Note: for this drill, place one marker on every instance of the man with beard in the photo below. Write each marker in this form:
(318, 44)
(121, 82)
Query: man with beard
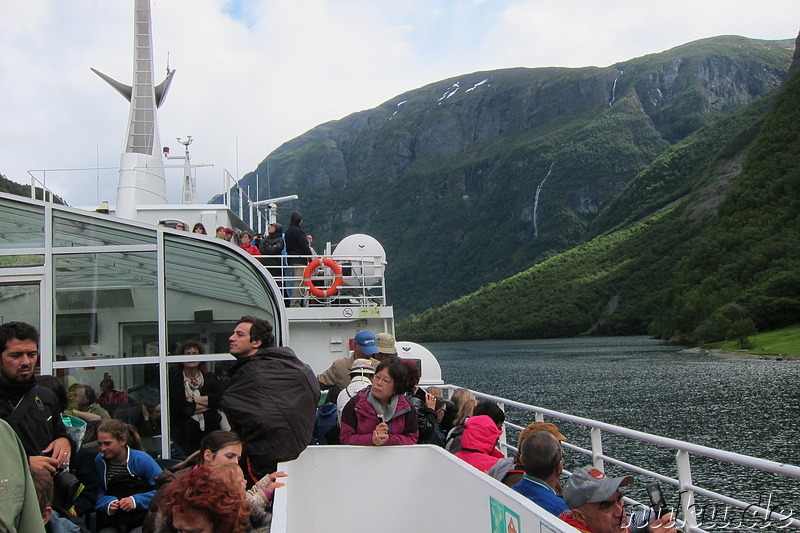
(271, 400)
(33, 411)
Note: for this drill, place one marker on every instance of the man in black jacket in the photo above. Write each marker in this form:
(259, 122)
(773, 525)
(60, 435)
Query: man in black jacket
(297, 244)
(271, 400)
(31, 410)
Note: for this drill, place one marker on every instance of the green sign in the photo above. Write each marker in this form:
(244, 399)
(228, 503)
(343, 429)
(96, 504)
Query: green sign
(504, 520)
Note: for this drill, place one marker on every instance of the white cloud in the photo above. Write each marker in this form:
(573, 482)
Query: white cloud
(259, 72)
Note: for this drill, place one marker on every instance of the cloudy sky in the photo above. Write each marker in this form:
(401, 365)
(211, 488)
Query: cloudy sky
(252, 74)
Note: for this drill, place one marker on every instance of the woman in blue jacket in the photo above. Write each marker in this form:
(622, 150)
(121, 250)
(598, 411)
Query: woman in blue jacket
(126, 479)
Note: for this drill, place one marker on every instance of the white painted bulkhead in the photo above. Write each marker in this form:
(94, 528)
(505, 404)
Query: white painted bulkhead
(396, 489)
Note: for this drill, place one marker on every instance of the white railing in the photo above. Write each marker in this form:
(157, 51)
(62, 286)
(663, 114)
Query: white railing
(683, 450)
(363, 282)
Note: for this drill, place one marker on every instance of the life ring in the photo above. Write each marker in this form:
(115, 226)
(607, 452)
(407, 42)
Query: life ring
(337, 280)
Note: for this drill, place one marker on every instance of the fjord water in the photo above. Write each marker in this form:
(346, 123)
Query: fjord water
(747, 406)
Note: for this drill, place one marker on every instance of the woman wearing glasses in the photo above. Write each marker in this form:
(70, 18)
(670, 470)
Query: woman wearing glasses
(380, 415)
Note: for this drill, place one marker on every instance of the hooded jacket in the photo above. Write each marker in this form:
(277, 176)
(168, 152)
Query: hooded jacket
(271, 403)
(273, 242)
(296, 241)
(477, 444)
(359, 420)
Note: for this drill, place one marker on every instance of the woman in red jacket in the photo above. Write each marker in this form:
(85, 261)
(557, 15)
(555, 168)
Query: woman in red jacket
(380, 415)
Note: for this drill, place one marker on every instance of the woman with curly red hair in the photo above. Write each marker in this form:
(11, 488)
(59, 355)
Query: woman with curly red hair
(208, 499)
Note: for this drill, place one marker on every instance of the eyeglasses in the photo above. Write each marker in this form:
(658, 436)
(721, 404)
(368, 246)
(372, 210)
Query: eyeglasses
(388, 381)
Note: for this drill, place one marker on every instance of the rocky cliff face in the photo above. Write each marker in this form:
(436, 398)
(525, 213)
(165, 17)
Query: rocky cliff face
(518, 161)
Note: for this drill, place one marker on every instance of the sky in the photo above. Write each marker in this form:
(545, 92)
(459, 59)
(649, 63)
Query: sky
(253, 74)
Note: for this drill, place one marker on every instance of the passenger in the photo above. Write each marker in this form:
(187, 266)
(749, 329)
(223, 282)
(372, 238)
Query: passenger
(19, 510)
(246, 244)
(380, 414)
(229, 235)
(207, 500)
(491, 409)
(425, 405)
(194, 396)
(297, 245)
(183, 226)
(510, 470)
(272, 246)
(110, 398)
(30, 409)
(257, 240)
(221, 233)
(199, 228)
(217, 448)
(55, 519)
(127, 479)
(82, 496)
(542, 455)
(449, 411)
(386, 346)
(271, 400)
(338, 374)
(478, 444)
(459, 397)
(310, 240)
(596, 506)
(83, 404)
(361, 374)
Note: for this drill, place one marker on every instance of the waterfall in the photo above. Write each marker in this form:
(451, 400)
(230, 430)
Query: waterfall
(536, 202)
(614, 89)
(613, 93)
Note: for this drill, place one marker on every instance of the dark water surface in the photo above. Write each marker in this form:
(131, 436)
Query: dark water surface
(741, 405)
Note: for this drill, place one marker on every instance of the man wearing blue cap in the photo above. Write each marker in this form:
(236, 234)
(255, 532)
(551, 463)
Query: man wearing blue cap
(338, 374)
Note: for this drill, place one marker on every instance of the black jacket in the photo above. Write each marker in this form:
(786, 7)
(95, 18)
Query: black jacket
(271, 403)
(186, 430)
(272, 245)
(38, 422)
(296, 242)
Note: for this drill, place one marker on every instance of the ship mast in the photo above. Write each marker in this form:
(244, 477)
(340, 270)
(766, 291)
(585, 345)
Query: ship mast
(141, 176)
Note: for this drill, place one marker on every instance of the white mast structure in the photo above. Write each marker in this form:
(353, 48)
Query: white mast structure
(141, 175)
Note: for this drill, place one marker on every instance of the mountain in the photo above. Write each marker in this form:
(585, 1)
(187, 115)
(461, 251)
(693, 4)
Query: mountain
(473, 179)
(718, 261)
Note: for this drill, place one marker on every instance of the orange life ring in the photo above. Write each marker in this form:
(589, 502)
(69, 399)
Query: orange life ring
(337, 280)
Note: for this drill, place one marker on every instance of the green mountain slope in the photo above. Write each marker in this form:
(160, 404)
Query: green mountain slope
(473, 179)
(703, 247)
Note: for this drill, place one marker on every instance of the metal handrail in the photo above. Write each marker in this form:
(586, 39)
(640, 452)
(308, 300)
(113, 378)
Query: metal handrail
(356, 290)
(686, 487)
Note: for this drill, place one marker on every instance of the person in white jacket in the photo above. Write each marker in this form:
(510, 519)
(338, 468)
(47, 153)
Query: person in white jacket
(361, 373)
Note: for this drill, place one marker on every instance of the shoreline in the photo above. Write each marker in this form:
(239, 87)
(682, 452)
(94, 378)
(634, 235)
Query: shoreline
(740, 354)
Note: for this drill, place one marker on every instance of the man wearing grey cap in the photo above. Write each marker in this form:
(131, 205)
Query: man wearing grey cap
(596, 506)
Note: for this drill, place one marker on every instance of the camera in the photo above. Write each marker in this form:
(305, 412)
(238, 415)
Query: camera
(66, 486)
(657, 501)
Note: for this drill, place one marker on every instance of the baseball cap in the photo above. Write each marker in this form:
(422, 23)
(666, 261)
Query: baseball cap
(536, 427)
(590, 485)
(362, 366)
(366, 340)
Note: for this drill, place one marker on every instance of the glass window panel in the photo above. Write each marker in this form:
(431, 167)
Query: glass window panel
(137, 400)
(95, 294)
(21, 260)
(73, 229)
(209, 289)
(19, 302)
(21, 224)
(185, 430)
